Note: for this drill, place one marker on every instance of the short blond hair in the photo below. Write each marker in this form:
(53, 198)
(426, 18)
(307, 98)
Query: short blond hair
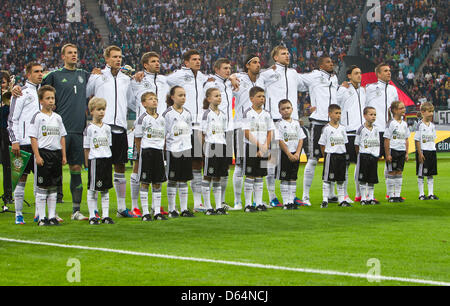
(426, 106)
(277, 50)
(147, 94)
(63, 49)
(107, 52)
(96, 103)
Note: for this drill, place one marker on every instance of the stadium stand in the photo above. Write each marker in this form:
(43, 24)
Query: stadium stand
(216, 28)
(36, 31)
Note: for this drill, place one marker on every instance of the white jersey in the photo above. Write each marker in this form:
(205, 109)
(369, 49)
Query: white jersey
(368, 141)
(322, 88)
(259, 124)
(48, 130)
(281, 83)
(290, 133)
(398, 133)
(152, 82)
(98, 140)
(151, 130)
(226, 91)
(380, 95)
(21, 111)
(334, 139)
(178, 130)
(352, 101)
(117, 92)
(193, 85)
(242, 97)
(214, 126)
(426, 135)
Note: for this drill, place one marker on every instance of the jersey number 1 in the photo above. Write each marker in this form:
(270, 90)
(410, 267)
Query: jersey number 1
(75, 88)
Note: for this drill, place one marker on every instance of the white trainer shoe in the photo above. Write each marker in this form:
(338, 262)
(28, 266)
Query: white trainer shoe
(78, 216)
(306, 201)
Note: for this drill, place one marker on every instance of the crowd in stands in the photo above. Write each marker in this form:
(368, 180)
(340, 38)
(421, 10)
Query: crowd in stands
(221, 28)
(403, 38)
(36, 31)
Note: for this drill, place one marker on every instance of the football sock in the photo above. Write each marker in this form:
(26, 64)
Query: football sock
(420, 183)
(285, 192)
(105, 204)
(51, 203)
(92, 202)
(248, 191)
(134, 190)
(223, 185)
(292, 191)
(156, 199)
(371, 188)
(171, 195)
(19, 194)
(196, 186)
(430, 182)
(183, 188)
(206, 192)
(270, 180)
(217, 191)
(258, 188)
(143, 192)
(237, 183)
(325, 191)
(341, 192)
(41, 198)
(308, 176)
(120, 185)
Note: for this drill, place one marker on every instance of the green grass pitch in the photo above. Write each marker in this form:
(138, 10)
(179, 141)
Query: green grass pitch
(410, 240)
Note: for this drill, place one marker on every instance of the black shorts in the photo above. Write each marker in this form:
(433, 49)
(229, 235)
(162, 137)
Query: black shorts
(334, 167)
(286, 170)
(100, 174)
(351, 151)
(238, 146)
(197, 148)
(429, 166)
(254, 166)
(179, 166)
(398, 161)
(119, 148)
(216, 160)
(151, 166)
(50, 174)
(367, 168)
(74, 149)
(30, 165)
(315, 131)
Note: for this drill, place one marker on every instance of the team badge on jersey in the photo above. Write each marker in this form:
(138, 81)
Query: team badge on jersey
(80, 79)
(146, 84)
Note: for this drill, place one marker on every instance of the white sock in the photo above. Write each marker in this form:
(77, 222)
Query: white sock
(156, 200)
(196, 186)
(325, 191)
(92, 197)
(420, 183)
(270, 180)
(332, 193)
(19, 194)
(430, 181)
(41, 198)
(144, 200)
(223, 185)
(183, 189)
(237, 183)
(371, 191)
(390, 186)
(206, 192)
(341, 192)
(398, 186)
(292, 191)
(248, 191)
(357, 185)
(308, 176)
(217, 191)
(258, 189)
(105, 204)
(120, 185)
(171, 195)
(285, 192)
(364, 192)
(134, 190)
(51, 203)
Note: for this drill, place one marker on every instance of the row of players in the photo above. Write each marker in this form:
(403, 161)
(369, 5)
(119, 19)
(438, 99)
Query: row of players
(120, 91)
(171, 133)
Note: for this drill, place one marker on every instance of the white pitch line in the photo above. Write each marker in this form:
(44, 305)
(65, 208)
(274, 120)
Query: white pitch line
(235, 263)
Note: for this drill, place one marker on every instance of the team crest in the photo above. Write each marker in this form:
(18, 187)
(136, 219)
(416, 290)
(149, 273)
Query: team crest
(18, 163)
(40, 179)
(99, 184)
(210, 170)
(80, 79)
(331, 175)
(146, 84)
(188, 78)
